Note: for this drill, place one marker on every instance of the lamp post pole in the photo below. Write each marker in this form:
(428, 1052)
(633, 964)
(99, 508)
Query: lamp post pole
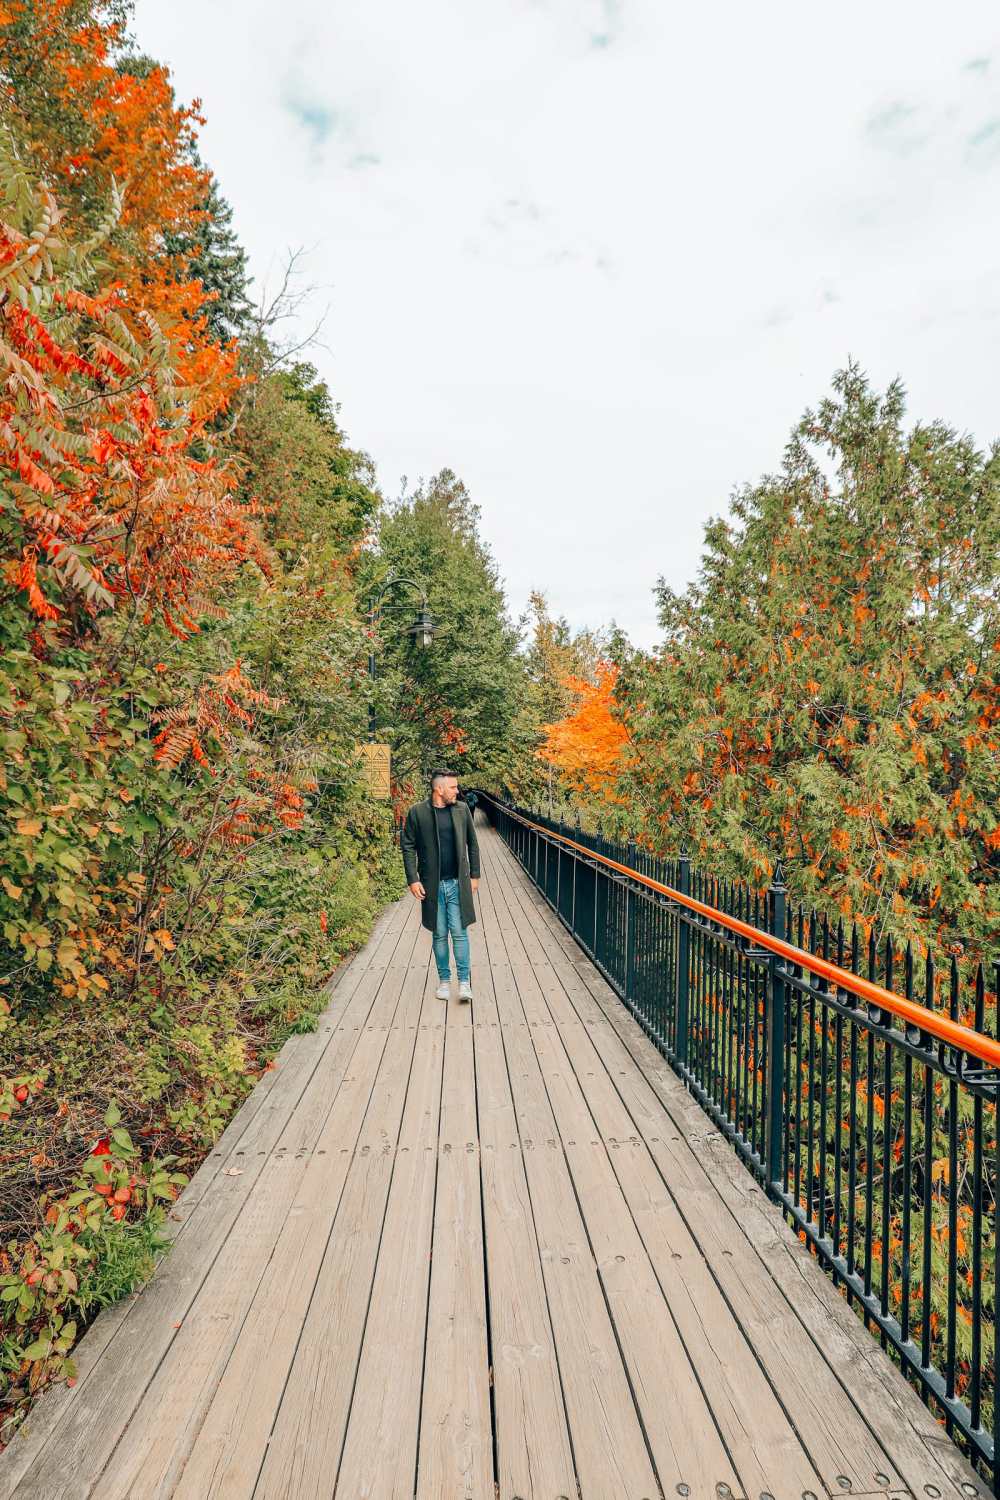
(422, 631)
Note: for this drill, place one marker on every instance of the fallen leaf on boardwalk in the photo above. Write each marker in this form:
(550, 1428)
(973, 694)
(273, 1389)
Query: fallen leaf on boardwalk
(234, 1171)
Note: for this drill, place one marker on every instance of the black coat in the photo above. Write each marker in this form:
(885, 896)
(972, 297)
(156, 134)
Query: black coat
(422, 857)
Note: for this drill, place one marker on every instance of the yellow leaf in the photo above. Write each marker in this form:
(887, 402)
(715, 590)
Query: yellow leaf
(30, 827)
(163, 937)
(14, 891)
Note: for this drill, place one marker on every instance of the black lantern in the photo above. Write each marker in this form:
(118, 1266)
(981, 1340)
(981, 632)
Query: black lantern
(422, 629)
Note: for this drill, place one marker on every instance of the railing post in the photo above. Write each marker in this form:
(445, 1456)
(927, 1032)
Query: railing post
(683, 963)
(630, 925)
(559, 863)
(775, 1081)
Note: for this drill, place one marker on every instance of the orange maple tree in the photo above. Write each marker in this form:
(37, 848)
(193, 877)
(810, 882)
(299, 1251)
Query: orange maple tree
(588, 747)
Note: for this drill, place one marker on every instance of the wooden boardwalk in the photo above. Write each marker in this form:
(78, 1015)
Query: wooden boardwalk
(465, 1252)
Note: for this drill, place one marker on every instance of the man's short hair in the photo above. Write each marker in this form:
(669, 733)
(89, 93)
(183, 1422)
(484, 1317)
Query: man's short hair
(442, 775)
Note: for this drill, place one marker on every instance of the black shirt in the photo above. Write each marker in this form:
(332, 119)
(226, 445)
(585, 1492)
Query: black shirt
(446, 839)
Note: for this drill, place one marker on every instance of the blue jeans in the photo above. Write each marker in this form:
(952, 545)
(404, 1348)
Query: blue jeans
(449, 919)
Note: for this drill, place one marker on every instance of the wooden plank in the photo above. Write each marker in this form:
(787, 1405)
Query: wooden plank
(676, 1414)
(297, 1058)
(456, 1438)
(94, 1419)
(280, 1090)
(767, 1408)
(769, 1453)
(308, 1435)
(608, 1445)
(150, 1456)
(918, 1450)
(674, 1201)
(534, 1456)
(230, 1448)
(899, 1422)
(380, 1451)
(381, 945)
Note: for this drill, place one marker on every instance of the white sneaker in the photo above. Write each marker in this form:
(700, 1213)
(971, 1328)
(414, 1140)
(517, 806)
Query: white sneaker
(465, 990)
(444, 990)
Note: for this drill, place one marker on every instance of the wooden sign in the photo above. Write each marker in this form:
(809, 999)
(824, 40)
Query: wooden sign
(375, 769)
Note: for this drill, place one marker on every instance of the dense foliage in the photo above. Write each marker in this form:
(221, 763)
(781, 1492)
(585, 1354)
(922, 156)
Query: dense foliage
(826, 693)
(185, 533)
(464, 702)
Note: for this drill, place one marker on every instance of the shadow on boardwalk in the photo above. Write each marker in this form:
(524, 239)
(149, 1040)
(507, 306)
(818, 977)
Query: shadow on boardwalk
(459, 1252)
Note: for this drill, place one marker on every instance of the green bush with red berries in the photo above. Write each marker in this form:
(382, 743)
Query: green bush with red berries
(48, 1289)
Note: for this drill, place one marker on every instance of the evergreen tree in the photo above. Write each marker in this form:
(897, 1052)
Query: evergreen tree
(827, 692)
(462, 701)
(210, 252)
(298, 466)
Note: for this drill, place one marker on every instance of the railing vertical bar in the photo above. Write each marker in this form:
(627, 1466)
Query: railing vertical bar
(838, 1127)
(775, 1060)
(741, 1077)
(952, 1333)
(755, 979)
(824, 1216)
(870, 1134)
(683, 946)
(887, 1157)
(811, 1195)
(798, 1002)
(711, 996)
(904, 1291)
(975, 1383)
(928, 1193)
(852, 1159)
(731, 1065)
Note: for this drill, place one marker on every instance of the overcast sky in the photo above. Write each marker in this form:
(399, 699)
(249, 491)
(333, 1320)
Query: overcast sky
(598, 255)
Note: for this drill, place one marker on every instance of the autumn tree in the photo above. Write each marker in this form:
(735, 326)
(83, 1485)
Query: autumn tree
(827, 692)
(554, 652)
(588, 746)
(185, 849)
(97, 118)
(558, 661)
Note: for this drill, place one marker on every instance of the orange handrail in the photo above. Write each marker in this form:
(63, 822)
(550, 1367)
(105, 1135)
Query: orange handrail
(953, 1033)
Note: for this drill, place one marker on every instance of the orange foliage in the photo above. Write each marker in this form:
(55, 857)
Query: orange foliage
(130, 133)
(588, 745)
(95, 446)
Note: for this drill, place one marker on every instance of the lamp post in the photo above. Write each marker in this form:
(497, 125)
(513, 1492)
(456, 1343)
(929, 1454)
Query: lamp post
(421, 630)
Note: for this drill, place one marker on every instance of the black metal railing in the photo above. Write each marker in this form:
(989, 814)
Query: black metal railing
(857, 1082)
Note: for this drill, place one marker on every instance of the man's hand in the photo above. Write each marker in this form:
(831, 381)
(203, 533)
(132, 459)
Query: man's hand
(418, 890)
(475, 885)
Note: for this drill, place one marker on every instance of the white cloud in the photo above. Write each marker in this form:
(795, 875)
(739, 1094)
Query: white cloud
(597, 257)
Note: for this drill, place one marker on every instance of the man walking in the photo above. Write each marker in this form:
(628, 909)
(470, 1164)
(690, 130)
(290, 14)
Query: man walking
(441, 860)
